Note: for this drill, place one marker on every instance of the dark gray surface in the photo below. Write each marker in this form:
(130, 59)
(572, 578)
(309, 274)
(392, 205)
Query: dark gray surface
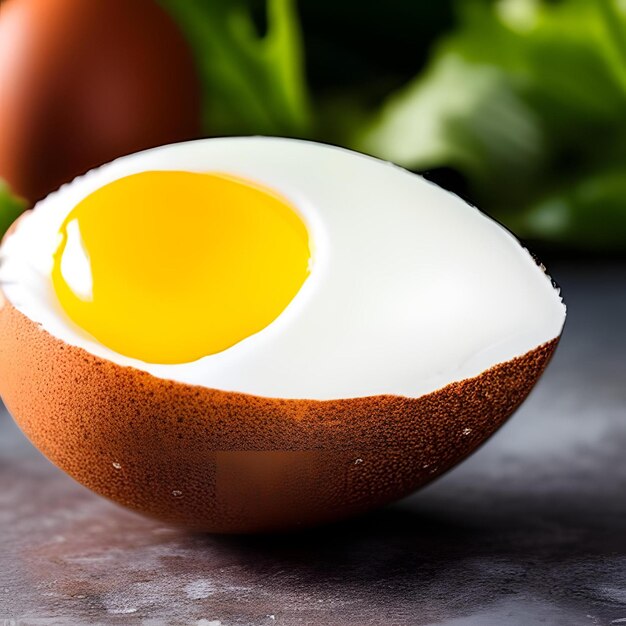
(530, 530)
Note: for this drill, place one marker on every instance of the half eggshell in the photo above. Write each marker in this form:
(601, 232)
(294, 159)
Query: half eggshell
(236, 463)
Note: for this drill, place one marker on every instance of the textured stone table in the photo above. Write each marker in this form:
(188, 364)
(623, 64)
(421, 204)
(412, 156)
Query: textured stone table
(530, 530)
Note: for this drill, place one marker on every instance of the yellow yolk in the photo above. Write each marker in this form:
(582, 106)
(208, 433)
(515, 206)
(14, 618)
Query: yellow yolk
(168, 267)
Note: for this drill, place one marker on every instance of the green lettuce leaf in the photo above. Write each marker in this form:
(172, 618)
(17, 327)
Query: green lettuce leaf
(11, 206)
(253, 84)
(527, 99)
(589, 214)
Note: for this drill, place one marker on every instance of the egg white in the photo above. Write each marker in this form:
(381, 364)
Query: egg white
(410, 289)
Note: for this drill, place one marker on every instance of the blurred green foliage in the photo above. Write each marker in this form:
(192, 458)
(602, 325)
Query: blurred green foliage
(254, 84)
(520, 103)
(10, 207)
(528, 100)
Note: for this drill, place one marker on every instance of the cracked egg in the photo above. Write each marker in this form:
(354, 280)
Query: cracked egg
(259, 334)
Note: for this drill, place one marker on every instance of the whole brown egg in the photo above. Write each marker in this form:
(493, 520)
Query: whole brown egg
(85, 81)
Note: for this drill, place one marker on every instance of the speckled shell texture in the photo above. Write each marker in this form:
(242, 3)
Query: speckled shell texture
(235, 463)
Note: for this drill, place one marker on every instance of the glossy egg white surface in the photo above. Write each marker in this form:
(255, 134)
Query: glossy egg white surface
(410, 287)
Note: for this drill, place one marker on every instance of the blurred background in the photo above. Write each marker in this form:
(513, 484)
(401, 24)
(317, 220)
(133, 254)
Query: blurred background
(517, 105)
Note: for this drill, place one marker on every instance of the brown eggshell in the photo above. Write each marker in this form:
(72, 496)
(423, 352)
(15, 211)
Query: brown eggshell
(85, 81)
(235, 463)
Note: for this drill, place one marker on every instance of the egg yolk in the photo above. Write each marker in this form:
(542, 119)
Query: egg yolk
(168, 267)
